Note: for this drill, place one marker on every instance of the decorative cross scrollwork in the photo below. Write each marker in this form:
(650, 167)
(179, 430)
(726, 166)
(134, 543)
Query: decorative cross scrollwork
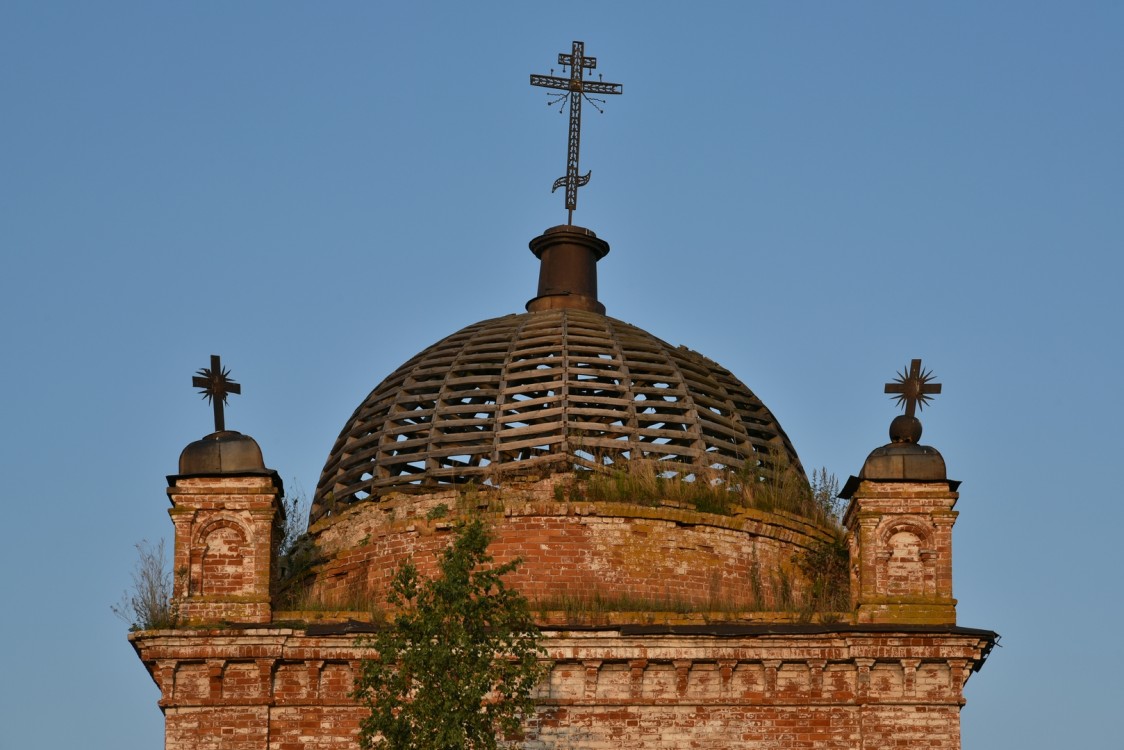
(576, 88)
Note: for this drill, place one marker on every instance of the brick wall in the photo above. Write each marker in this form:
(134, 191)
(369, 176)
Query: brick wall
(577, 550)
(281, 689)
(891, 676)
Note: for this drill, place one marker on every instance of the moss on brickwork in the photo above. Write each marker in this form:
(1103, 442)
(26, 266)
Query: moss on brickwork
(626, 554)
(783, 488)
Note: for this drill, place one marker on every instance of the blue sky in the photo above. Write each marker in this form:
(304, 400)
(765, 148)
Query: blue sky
(810, 193)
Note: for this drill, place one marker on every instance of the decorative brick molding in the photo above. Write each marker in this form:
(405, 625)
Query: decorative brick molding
(846, 687)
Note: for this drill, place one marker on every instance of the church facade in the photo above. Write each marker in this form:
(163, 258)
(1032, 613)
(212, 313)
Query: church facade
(668, 623)
(691, 589)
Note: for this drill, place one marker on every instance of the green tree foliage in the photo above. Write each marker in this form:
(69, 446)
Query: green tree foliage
(456, 666)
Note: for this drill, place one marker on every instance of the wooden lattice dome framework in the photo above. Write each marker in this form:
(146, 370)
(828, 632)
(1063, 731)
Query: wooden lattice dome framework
(547, 391)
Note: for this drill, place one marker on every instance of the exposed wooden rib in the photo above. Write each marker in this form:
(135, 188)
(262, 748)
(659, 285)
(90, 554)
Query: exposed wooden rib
(549, 390)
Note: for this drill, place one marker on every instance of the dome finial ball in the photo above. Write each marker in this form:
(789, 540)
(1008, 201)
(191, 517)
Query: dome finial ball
(905, 429)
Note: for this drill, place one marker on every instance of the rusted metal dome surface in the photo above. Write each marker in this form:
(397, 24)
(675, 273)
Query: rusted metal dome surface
(542, 392)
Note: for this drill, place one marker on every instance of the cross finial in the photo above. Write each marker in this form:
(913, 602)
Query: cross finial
(913, 388)
(215, 385)
(576, 88)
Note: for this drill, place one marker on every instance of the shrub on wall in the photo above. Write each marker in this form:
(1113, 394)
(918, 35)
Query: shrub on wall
(456, 665)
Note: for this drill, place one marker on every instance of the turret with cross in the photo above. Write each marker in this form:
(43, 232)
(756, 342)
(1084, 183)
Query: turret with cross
(228, 511)
(577, 88)
(899, 520)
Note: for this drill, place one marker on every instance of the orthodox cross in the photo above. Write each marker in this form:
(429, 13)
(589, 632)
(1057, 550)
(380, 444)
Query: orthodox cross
(216, 384)
(913, 388)
(577, 89)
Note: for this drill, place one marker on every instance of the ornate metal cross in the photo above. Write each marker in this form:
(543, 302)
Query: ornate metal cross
(913, 388)
(216, 384)
(578, 89)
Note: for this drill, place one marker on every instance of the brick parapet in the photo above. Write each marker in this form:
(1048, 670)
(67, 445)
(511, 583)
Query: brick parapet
(642, 691)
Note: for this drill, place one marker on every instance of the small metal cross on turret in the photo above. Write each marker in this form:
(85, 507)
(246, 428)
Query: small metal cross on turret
(913, 388)
(577, 89)
(216, 384)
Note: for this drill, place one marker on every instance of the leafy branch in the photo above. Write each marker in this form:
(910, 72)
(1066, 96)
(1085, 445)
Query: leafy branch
(457, 664)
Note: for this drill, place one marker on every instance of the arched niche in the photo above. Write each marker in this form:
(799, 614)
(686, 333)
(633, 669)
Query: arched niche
(905, 566)
(222, 561)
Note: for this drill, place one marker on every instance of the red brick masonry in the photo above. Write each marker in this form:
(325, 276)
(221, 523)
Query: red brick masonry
(771, 687)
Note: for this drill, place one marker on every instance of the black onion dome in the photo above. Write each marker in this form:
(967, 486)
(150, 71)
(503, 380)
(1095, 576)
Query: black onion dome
(543, 392)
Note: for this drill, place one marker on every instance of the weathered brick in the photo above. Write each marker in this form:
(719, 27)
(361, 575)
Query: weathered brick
(782, 687)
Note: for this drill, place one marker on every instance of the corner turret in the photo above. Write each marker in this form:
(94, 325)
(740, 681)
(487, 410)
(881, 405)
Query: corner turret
(226, 507)
(900, 519)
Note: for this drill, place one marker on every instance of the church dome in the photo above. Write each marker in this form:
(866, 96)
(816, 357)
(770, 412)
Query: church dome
(542, 392)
